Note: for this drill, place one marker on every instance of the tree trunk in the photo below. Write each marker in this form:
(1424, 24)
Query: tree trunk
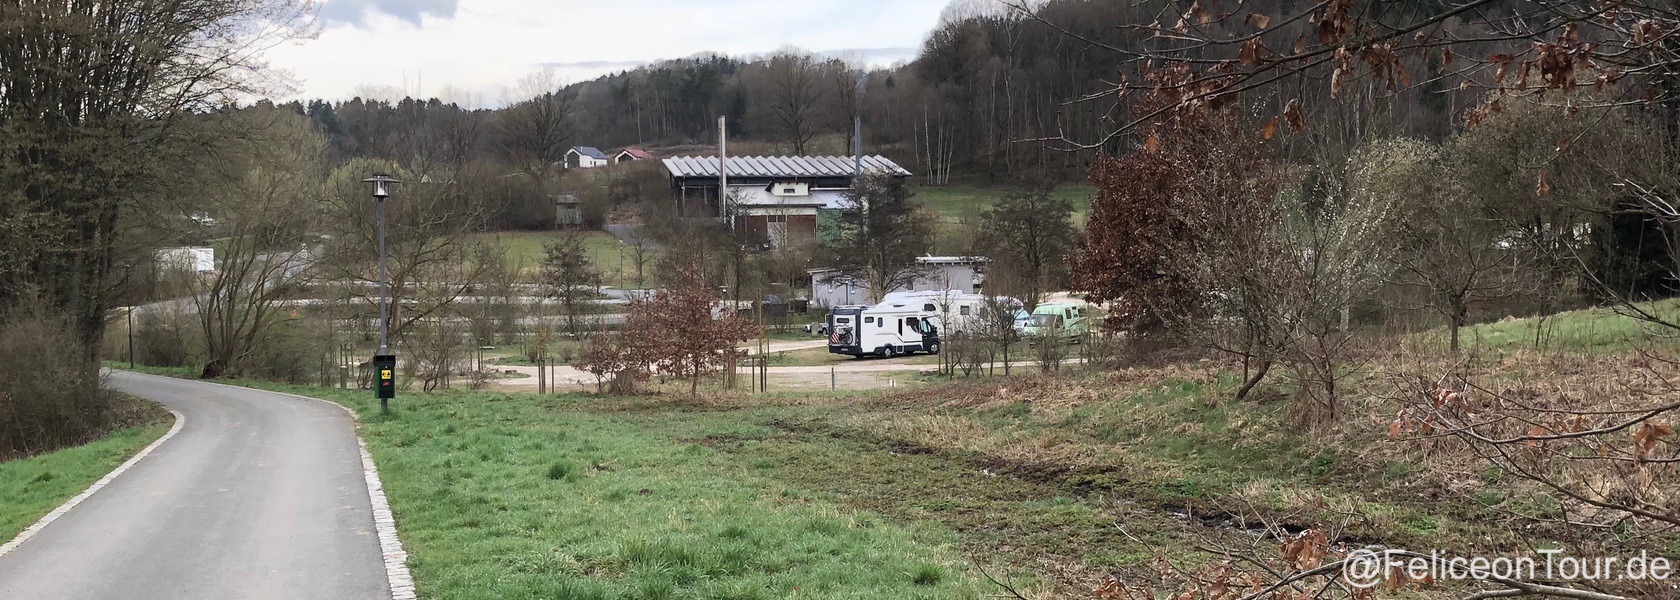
(1254, 379)
(1456, 322)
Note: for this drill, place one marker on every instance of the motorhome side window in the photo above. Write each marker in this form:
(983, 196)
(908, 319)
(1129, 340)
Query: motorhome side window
(962, 310)
(868, 320)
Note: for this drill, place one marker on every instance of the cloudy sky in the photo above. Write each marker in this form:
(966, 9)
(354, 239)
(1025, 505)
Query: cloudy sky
(475, 51)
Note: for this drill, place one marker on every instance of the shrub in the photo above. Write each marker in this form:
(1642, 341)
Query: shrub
(49, 385)
(165, 339)
(289, 350)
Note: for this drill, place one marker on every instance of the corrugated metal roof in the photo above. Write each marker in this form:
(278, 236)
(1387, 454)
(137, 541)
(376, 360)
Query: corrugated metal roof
(779, 166)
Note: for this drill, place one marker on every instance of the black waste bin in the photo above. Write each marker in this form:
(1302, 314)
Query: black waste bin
(385, 372)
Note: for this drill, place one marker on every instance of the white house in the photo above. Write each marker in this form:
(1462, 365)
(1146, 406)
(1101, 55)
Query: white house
(586, 157)
(960, 274)
(630, 155)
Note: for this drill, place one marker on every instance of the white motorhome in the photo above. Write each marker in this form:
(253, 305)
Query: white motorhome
(885, 330)
(958, 312)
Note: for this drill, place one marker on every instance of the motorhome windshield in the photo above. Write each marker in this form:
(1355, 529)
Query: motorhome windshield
(1046, 320)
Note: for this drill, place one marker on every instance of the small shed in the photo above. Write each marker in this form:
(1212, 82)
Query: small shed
(630, 155)
(568, 211)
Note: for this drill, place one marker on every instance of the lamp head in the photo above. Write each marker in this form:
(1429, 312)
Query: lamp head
(382, 184)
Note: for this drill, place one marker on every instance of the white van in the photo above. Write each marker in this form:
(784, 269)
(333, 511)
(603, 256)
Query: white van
(886, 330)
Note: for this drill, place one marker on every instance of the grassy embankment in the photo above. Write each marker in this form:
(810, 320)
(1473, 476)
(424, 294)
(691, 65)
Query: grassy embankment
(34, 486)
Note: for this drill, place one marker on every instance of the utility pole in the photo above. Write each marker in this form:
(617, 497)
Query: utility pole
(857, 125)
(131, 335)
(723, 167)
(857, 146)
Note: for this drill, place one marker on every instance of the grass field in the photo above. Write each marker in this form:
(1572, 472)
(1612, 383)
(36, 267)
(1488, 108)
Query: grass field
(959, 208)
(862, 495)
(1590, 331)
(615, 260)
(958, 201)
(34, 486)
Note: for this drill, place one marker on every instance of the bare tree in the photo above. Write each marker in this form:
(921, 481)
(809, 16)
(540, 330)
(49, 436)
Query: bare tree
(1449, 242)
(795, 88)
(428, 242)
(537, 131)
(260, 193)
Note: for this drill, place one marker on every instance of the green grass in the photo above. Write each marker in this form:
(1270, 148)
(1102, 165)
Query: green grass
(1591, 331)
(615, 260)
(520, 496)
(958, 201)
(959, 208)
(867, 495)
(34, 486)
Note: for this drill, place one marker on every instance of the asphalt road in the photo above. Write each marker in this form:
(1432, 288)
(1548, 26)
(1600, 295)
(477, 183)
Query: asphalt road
(258, 496)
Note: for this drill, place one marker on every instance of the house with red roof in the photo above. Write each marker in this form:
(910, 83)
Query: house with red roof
(630, 155)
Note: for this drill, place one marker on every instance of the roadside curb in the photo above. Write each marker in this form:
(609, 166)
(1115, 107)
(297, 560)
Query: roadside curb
(384, 522)
(180, 421)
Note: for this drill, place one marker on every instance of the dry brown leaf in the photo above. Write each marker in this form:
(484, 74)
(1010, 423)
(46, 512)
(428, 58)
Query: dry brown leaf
(1293, 116)
(1646, 439)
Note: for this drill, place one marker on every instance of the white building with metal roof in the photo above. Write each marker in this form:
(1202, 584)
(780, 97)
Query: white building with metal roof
(782, 198)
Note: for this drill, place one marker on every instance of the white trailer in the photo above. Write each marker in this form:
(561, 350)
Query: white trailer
(957, 311)
(885, 330)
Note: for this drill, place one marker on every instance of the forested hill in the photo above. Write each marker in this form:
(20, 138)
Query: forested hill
(986, 90)
(984, 80)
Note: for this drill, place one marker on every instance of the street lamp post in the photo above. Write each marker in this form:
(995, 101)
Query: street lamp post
(384, 363)
(131, 336)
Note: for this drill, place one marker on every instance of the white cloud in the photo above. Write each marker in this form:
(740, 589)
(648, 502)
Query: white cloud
(484, 46)
(355, 12)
